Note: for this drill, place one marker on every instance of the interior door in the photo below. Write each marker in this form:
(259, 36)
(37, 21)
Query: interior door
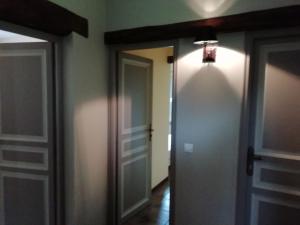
(134, 134)
(26, 134)
(274, 164)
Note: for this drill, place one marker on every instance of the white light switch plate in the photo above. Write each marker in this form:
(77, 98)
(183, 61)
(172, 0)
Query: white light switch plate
(188, 148)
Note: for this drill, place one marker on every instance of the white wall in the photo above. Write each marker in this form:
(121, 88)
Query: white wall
(85, 97)
(209, 100)
(160, 110)
(136, 13)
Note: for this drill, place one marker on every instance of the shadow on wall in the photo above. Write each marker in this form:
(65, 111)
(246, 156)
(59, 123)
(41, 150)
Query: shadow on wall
(208, 115)
(209, 95)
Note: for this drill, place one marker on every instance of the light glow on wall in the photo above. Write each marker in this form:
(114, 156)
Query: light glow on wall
(90, 137)
(228, 61)
(208, 8)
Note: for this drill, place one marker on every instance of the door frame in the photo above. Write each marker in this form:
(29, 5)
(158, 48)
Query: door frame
(248, 100)
(58, 164)
(113, 126)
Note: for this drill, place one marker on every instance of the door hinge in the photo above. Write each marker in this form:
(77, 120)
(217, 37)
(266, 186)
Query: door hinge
(150, 130)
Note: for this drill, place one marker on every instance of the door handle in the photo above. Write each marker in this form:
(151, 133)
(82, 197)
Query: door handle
(251, 157)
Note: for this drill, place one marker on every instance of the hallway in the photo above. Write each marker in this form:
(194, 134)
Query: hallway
(158, 211)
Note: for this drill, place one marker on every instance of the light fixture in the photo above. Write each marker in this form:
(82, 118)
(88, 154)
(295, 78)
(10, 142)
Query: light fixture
(208, 39)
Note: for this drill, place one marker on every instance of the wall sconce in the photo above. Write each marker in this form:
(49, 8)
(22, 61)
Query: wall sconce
(208, 39)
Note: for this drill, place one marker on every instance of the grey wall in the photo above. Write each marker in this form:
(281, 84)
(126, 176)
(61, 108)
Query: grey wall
(208, 116)
(85, 94)
(135, 13)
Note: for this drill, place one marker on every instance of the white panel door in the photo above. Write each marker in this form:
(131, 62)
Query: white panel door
(274, 196)
(26, 134)
(134, 134)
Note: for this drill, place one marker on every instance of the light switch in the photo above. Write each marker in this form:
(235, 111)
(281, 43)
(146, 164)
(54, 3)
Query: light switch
(188, 147)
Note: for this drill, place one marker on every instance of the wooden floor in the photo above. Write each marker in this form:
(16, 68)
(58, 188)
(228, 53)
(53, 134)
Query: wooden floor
(158, 212)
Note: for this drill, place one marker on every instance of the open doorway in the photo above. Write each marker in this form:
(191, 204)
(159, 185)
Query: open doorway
(144, 135)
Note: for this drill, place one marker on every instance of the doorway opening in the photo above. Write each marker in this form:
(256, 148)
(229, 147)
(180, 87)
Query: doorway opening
(144, 135)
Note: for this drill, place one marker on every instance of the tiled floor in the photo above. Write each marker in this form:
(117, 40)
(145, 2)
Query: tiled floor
(158, 212)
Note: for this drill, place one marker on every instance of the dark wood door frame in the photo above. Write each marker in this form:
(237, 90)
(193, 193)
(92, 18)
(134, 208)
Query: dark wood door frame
(58, 127)
(246, 119)
(113, 126)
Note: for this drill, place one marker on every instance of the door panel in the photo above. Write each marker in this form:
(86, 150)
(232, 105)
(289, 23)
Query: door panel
(273, 211)
(23, 95)
(275, 188)
(20, 205)
(134, 107)
(26, 134)
(135, 181)
(135, 97)
(278, 115)
(277, 177)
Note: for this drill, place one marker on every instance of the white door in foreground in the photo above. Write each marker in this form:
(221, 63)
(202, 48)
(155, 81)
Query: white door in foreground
(274, 193)
(26, 134)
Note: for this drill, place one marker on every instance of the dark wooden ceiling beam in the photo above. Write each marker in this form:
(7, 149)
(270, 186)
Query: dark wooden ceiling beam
(44, 16)
(257, 20)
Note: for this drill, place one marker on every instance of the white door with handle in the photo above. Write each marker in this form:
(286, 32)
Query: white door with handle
(134, 134)
(274, 151)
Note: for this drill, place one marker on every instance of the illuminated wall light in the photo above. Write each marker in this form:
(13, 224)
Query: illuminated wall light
(208, 39)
